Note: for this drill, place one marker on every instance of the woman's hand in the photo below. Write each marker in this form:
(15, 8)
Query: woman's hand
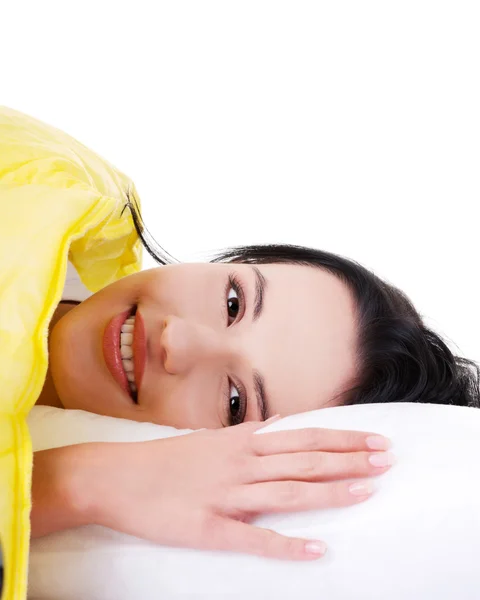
(200, 490)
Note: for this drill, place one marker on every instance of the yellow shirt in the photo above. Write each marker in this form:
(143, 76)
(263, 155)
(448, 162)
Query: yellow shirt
(58, 201)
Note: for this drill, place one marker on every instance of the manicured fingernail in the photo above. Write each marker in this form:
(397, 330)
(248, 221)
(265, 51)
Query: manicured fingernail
(317, 548)
(274, 418)
(378, 442)
(382, 459)
(361, 488)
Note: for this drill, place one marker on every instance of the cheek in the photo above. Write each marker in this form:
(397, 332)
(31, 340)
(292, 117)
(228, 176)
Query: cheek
(116, 297)
(193, 295)
(191, 402)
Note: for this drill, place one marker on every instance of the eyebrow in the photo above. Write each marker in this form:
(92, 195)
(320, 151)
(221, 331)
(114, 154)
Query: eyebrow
(262, 399)
(260, 286)
(258, 380)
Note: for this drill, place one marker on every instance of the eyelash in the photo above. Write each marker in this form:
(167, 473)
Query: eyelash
(236, 284)
(233, 282)
(243, 401)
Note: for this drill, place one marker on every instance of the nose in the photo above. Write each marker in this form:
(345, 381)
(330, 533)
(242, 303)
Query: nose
(187, 344)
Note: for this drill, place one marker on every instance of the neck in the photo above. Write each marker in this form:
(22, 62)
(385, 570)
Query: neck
(48, 395)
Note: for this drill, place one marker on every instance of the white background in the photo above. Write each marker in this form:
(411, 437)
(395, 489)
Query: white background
(349, 126)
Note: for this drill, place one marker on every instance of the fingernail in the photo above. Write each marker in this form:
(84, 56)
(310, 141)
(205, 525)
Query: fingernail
(378, 442)
(361, 488)
(382, 459)
(317, 548)
(274, 418)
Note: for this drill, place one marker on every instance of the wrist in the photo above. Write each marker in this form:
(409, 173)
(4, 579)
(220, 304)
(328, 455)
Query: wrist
(77, 485)
(62, 495)
(96, 471)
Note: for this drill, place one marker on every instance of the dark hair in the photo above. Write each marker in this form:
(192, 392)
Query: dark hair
(399, 358)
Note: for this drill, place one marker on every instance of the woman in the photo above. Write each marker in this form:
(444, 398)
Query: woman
(261, 331)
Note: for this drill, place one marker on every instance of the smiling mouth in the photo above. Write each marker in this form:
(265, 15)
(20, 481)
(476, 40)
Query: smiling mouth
(116, 346)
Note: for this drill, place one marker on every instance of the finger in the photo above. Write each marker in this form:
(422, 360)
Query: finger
(319, 466)
(292, 496)
(326, 440)
(236, 536)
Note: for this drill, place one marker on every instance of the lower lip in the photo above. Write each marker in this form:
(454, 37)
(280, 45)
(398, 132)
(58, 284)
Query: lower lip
(111, 350)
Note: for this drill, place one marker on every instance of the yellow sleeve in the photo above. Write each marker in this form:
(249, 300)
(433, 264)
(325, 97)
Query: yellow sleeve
(59, 201)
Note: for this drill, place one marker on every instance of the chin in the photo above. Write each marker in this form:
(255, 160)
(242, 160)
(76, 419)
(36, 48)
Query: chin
(67, 366)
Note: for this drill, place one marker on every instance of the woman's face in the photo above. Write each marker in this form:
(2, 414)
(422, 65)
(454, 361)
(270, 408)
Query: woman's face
(225, 343)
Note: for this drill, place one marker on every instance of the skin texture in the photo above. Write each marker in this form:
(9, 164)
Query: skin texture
(303, 344)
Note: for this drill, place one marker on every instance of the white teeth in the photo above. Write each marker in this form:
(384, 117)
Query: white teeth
(126, 338)
(127, 364)
(126, 351)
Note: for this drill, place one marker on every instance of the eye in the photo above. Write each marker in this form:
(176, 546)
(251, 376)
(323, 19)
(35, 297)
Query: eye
(235, 303)
(236, 404)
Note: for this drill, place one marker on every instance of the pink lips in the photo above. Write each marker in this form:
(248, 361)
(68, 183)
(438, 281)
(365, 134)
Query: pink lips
(111, 350)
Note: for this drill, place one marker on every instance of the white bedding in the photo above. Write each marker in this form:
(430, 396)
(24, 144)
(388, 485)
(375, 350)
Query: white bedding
(417, 538)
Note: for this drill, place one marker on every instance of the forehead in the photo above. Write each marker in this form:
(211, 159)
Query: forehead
(305, 341)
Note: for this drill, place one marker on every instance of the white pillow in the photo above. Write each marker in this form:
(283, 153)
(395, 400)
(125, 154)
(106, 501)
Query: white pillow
(417, 538)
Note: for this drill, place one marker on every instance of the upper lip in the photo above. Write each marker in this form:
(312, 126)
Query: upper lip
(139, 350)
